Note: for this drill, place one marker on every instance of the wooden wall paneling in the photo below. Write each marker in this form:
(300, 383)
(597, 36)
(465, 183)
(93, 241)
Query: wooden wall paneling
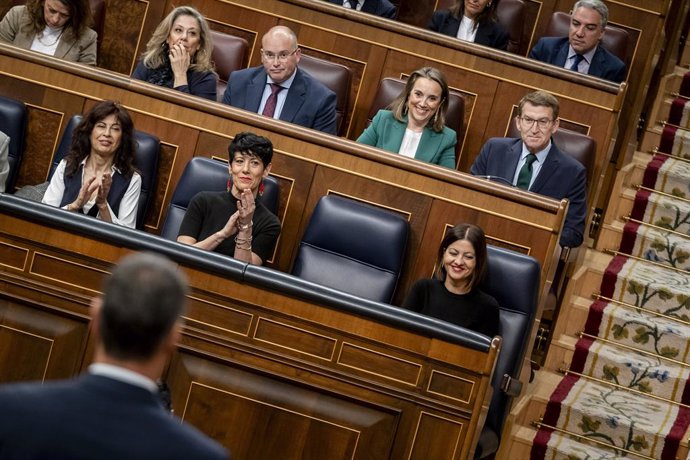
(297, 420)
(123, 35)
(36, 344)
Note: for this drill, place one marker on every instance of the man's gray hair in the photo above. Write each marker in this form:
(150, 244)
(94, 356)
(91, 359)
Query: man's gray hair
(596, 5)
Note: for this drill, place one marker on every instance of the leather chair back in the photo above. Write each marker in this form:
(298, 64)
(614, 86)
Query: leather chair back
(353, 247)
(615, 39)
(13, 119)
(513, 280)
(337, 78)
(579, 146)
(389, 88)
(146, 162)
(206, 174)
(97, 12)
(229, 54)
(511, 15)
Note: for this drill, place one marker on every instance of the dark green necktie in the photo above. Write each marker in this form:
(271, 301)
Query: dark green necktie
(525, 175)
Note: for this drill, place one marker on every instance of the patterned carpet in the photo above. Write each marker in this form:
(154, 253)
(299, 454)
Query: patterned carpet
(626, 393)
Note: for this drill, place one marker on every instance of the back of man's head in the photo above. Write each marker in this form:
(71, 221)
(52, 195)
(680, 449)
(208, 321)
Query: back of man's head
(142, 300)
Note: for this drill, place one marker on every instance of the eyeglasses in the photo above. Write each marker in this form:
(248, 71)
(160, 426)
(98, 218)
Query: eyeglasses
(282, 56)
(542, 123)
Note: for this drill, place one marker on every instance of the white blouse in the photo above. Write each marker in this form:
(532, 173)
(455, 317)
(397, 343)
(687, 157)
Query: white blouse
(467, 30)
(127, 217)
(410, 142)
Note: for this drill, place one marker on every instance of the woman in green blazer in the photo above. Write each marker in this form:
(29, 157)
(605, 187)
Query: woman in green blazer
(415, 125)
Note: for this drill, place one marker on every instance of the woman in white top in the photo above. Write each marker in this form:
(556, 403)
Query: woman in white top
(472, 21)
(55, 27)
(415, 124)
(98, 177)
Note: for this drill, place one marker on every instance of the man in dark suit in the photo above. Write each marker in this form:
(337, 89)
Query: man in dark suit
(534, 163)
(382, 8)
(581, 50)
(114, 411)
(279, 89)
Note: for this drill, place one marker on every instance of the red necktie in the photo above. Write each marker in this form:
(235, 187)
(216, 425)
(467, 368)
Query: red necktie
(270, 107)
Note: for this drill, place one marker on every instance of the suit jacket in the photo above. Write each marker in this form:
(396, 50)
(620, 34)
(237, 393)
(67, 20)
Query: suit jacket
(488, 34)
(554, 50)
(385, 132)
(561, 176)
(309, 102)
(4, 159)
(94, 416)
(382, 8)
(14, 30)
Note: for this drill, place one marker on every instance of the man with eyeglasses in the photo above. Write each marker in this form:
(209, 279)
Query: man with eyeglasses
(581, 51)
(534, 163)
(281, 90)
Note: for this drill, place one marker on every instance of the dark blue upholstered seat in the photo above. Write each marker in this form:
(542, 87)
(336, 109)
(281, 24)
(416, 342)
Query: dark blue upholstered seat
(146, 161)
(513, 280)
(13, 118)
(353, 247)
(206, 174)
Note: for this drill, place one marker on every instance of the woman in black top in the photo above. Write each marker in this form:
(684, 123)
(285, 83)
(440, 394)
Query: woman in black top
(472, 20)
(235, 223)
(454, 295)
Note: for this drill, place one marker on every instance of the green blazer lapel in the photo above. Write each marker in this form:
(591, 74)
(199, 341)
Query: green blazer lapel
(393, 141)
(429, 145)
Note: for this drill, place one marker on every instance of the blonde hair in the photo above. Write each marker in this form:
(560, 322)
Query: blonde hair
(155, 54)
(399, 104)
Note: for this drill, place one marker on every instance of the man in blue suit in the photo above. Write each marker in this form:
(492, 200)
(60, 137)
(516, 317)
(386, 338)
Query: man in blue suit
(534, 163)
(382, 8)
(279, 89)
(114, 411)
(580, 50)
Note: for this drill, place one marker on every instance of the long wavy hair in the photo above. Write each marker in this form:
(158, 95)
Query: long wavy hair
(156, 51)
(81, 138)
(399, 104)
(485, 17)
(475, 235)
(79, 21)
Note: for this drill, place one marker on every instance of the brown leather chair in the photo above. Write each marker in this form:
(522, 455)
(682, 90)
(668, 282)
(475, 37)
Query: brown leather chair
(614, 40)
(229, 54)
(97, 12)
(337, 78)
(389, 88)
(579, 146)
(511, 15)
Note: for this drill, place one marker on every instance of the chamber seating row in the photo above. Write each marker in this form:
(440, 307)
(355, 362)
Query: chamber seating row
(82, 248)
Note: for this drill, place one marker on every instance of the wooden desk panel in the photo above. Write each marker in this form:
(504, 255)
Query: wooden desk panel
(253, 363)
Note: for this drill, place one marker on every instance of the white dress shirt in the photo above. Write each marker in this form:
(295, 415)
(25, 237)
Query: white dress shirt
(282, 95)
(127, 217)
(536, 166)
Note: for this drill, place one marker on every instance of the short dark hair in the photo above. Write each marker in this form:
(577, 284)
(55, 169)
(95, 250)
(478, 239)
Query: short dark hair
(540, 99)
(142, 299)
(475, 235)
(246, 142)
(81, 138)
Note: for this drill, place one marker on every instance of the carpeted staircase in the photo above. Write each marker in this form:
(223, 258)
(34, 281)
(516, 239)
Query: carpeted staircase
(616, 383)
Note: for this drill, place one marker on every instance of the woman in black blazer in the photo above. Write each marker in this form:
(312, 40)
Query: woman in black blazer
(472, 20)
